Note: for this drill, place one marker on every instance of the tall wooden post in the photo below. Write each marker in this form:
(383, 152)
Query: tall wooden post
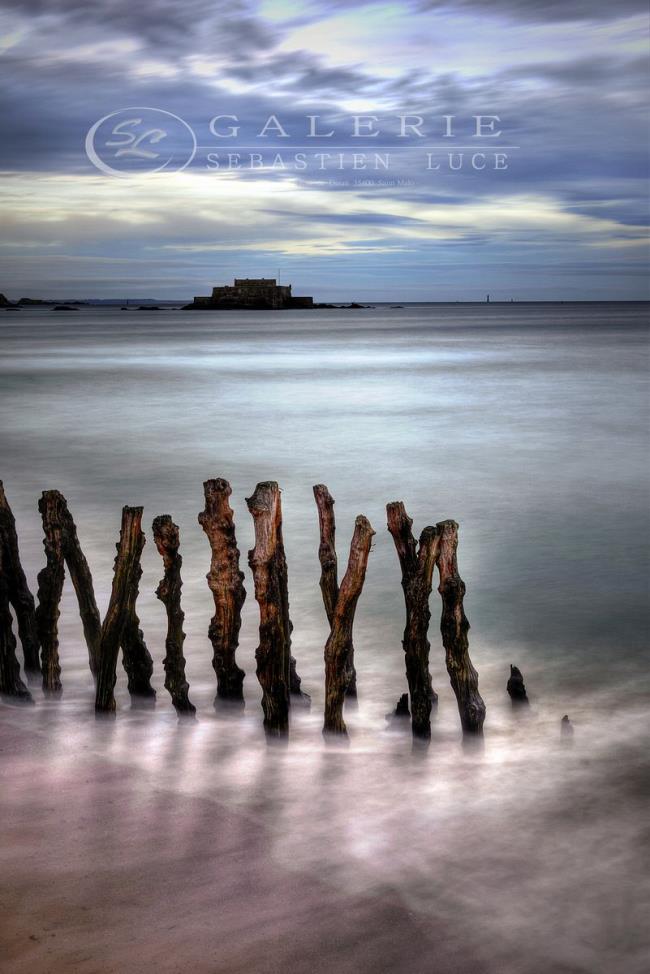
(62, 547)
(18, 592)
(338, 644)
(454, 628)
(417, 562)
(50, 587)
(166, 537)
(226, 582)
(121, 625)
(268, 564)
(329, 584)
(82, 582)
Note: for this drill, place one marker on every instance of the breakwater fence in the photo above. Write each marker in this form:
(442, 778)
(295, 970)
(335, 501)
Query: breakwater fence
(277, 669)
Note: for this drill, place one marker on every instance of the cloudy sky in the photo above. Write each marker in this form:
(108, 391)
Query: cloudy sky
(565, 216)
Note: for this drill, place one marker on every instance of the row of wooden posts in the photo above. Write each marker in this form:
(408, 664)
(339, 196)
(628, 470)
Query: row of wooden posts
(276, 667)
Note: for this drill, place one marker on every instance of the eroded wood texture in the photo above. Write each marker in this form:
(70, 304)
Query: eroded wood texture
(297, 694)
(167, 539)
(417, 562)
(82, 582)
(329, 584)
(11, 685)
(136, 658)
(120, 612)
(62, 547)
(226, 582)
(340, 637)
(268, 564)
(18, 592)
(50, 588)
(454, 628)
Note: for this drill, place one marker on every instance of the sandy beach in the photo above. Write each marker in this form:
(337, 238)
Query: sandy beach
(104, 871)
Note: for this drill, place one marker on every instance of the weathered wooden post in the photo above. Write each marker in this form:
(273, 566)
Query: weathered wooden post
(11, 685)
(337, 647)
(50, 587)
(269, 566)
(329, 584)
(18, 592)
(121, 624)
(225, 581)
(516, 688)
(417, 562)
(136, 658)
(166, 538)
(454, 628)
(62, 548)
(82, 582)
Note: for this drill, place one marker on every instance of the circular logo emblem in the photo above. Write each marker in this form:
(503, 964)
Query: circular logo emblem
(136, 141)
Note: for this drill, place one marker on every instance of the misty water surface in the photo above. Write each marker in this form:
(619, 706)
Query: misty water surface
(526, 424)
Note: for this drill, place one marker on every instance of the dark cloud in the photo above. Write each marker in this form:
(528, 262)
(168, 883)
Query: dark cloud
(357, 219)
(587, 71)
(236, 29)
(524, 11)
(569, 142)
(215, 24)
(542, 11)
(158, 20)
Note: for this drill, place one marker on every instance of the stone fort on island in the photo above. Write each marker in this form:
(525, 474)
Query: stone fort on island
(253, 293)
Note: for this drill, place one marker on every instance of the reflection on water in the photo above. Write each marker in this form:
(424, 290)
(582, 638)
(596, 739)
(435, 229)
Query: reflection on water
(526, 424)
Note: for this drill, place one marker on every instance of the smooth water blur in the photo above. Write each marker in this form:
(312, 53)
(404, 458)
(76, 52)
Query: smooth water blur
(525, 423)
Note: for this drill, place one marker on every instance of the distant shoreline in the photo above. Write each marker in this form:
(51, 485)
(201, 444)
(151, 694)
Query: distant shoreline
(134, 304)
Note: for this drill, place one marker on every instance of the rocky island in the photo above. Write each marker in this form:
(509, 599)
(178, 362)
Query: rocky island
(253, 293)
(246, 294)
(257, 294)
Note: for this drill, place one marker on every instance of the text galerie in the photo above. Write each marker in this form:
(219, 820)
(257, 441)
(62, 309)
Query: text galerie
(321, 146)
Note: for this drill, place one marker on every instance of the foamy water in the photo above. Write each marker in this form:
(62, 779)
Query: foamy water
(528, 425)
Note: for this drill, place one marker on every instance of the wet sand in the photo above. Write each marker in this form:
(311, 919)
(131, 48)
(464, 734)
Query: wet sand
(145, 844)
(104, 872)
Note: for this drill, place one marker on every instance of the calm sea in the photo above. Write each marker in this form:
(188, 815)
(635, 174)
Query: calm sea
(528, 424)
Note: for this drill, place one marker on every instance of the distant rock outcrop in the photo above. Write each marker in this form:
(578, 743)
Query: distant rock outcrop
(516, 687)
(399, 717)
(402, 708)
(8, 305)
(566, 728)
